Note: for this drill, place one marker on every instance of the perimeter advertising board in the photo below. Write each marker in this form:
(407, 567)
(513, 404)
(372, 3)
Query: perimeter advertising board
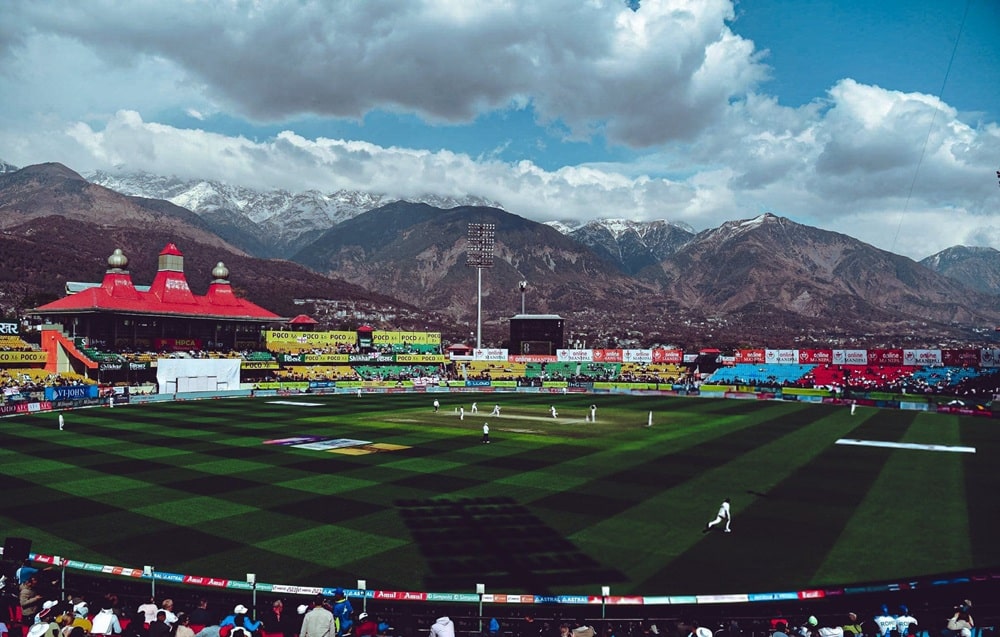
(750, 356)
(960, 357)
(637, 355)
(282, 339)
(781, 356)
(815, 356)
(404, 338)
(921, 357)
(892, 357)
(489, 354)
(607, 355)
(574, 355)
(989, 357)
(675, 356)
(23, 358)
(850, 357)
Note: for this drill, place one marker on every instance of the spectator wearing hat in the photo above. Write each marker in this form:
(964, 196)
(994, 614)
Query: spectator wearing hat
(81, 617)
(367, 627)
(239, 619)
(45, 624)
(697, 630)
(906, 624)
(30, 599)
(318, 622)
(885, 622)
(342, 612)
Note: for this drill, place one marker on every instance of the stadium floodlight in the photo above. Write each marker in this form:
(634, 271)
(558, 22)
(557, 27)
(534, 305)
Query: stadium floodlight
(363, 587)
(524, 286)
(482, 240)
(605, 591)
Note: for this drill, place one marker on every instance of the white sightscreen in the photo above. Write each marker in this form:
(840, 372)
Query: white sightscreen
(179, 375)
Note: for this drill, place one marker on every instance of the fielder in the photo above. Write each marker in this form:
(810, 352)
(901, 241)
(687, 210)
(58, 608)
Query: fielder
(552, 410)
(461, 413)
(496, 410)
(437, 405)
(723, 514)
(62, 422)
(474, 409)
(593, 413)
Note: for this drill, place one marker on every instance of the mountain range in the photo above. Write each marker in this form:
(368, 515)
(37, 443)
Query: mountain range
(766, 281)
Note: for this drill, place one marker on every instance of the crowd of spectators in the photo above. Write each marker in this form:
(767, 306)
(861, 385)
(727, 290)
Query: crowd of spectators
(39, 607)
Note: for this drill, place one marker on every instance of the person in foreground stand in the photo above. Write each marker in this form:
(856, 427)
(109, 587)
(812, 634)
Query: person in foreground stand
(318, 622)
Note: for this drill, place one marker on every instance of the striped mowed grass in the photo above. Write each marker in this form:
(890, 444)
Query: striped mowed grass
(414, 501)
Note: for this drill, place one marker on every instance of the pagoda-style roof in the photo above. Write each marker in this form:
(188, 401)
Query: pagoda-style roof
(168, 295)
(302, 319)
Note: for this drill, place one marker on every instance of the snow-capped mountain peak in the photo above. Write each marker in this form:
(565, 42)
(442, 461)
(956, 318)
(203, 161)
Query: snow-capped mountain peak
(281, 217)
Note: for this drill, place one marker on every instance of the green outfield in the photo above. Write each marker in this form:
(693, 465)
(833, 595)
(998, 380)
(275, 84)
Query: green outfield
(415, 501)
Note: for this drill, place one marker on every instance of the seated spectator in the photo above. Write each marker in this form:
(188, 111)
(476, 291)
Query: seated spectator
(106, 621)
(182, 628)
(160, 627)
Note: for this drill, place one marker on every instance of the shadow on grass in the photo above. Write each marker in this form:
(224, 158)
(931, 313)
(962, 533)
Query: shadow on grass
(498, 542)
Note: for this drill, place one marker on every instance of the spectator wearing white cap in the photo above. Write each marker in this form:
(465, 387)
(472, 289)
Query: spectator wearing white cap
(81, 617)
(239, 619)
(367, 627)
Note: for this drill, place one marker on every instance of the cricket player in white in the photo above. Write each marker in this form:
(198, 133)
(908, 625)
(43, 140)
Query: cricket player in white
(552, 410)
(496, 410)
(486, 433)
(62, 422)
(593, 413)
(723, 514)
(474, 409)
(461, 413)
(437, 405)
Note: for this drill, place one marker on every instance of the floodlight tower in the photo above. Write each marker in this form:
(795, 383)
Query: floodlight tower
(524, 286)
(482, 238)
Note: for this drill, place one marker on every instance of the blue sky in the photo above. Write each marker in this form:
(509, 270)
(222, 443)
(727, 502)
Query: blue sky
(855, 116)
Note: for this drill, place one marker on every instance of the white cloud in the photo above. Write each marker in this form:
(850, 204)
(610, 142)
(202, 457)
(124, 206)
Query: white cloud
(91, 85)
(644, 77)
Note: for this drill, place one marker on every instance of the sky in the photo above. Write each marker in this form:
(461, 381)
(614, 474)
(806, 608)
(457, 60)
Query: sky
(878, 120)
